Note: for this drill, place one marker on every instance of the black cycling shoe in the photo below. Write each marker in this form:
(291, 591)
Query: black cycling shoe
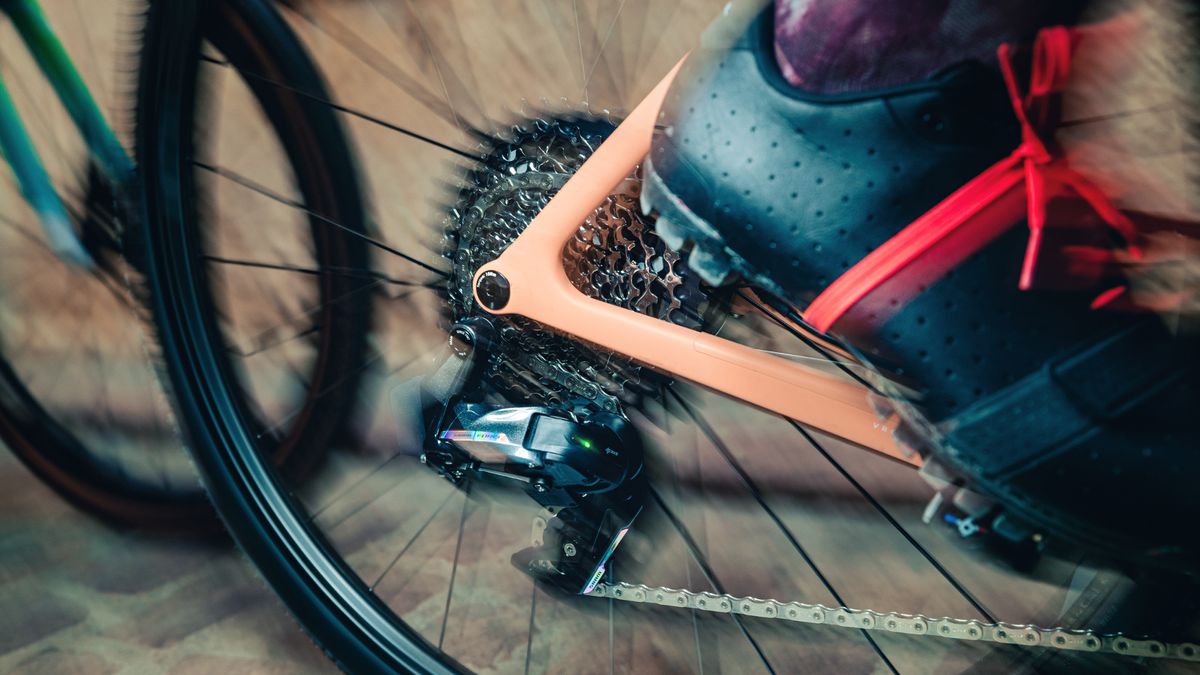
(790, 189)
(1076, 420)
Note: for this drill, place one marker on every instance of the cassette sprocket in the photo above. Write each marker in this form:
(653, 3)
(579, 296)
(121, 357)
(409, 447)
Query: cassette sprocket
(615, 256)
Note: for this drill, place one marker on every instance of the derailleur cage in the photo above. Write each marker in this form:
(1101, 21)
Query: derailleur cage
(588, 467)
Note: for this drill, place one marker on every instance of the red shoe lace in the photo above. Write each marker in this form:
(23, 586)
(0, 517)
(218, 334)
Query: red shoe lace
(986, 206)
(1051, 67)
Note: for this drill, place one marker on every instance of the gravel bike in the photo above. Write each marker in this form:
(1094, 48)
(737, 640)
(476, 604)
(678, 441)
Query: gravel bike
(538, 343)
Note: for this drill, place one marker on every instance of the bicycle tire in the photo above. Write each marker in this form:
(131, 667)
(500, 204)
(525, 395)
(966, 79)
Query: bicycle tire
(166, 106)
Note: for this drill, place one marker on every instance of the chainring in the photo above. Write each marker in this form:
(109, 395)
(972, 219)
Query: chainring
(615, 256)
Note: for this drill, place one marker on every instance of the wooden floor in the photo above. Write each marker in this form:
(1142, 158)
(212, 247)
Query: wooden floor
(77, 596)
(81, 598)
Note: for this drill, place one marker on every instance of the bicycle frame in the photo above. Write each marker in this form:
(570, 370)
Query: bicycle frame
(112, 160)
(538, 288)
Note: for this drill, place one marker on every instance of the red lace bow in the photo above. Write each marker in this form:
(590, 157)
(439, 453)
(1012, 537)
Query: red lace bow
(1044, 169)
(1022, 184)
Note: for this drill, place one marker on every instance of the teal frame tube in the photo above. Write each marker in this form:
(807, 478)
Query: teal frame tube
(56, 64)
(106, 151)
(35, 184)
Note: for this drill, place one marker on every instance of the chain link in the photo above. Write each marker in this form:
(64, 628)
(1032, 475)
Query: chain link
(894, 622)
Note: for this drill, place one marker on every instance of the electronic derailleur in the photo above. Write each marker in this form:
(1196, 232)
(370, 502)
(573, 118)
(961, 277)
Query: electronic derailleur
(585, 468)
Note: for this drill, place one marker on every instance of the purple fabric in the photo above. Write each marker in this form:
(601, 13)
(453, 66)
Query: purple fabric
(840, 46)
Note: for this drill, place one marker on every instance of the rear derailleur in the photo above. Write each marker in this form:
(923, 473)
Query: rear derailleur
(586, 468)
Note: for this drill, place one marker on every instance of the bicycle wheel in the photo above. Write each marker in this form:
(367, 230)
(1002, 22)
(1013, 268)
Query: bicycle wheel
(388, 566)
(79, 396)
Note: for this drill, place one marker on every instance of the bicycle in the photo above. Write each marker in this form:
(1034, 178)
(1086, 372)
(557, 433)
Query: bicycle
(370, 594)
(108, 445)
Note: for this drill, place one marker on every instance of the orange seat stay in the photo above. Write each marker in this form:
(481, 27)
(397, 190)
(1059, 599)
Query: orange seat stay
(540, 290)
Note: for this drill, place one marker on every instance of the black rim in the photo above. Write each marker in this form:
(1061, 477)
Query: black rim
(215, 419)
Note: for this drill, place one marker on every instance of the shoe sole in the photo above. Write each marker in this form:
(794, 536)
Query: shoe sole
(682, 230)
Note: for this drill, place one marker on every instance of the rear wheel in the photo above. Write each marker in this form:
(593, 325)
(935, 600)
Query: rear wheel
(392, 568)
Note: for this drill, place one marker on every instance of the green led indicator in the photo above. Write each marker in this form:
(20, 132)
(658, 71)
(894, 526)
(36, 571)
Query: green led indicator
(587, 445)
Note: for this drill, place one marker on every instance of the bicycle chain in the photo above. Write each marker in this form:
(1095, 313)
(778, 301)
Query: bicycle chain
(1023, 635)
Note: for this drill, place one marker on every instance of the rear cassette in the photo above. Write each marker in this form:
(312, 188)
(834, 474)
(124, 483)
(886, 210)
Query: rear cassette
(615, 256)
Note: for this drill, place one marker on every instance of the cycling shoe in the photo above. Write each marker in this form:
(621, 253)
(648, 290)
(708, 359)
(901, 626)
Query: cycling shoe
(1076, 419)
(790, 189)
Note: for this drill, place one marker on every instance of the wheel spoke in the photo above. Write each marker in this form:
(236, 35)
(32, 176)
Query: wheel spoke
(706, 569)
(375, 60)
(452, 85)
(322, 394)
(271, 194)
(812, 344)
(366, 117)
(579, 42)
(757, 494)
(875, 503)
(352, 272)
(412, 540)
(600, 52)
(532, 613)
(266, 334)
(462, 525)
